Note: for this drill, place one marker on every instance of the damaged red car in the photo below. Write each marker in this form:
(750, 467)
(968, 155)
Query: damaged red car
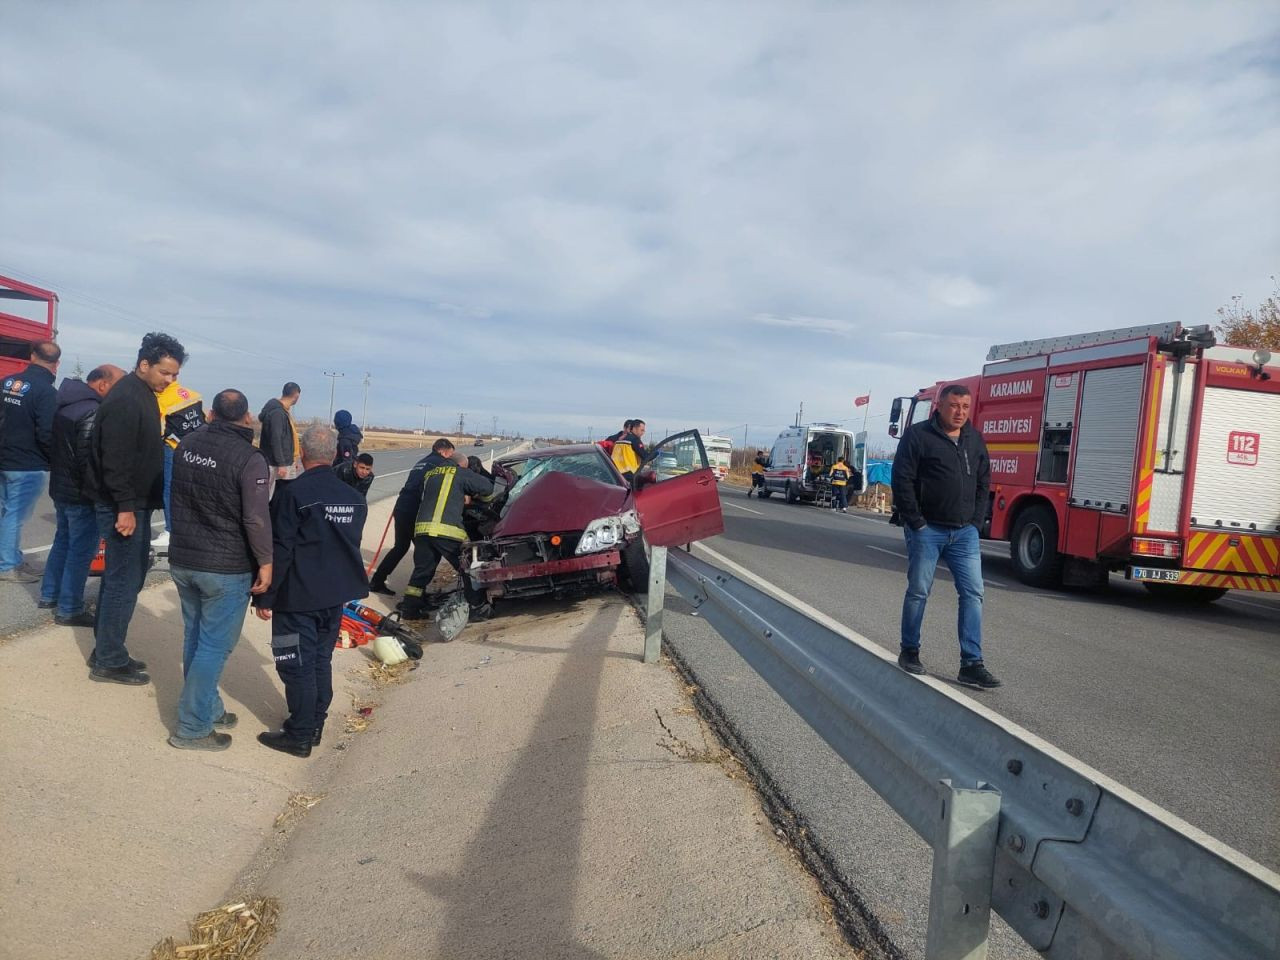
(563, 520)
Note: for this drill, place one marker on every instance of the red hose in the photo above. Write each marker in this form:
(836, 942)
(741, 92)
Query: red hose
(377, 553)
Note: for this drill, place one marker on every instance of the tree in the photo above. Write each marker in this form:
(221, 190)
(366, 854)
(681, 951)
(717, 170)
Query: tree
(78, 372)
(1241, 327)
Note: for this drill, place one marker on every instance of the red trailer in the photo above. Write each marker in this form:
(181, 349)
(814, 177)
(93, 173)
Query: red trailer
(27, 315)
(1146, 449)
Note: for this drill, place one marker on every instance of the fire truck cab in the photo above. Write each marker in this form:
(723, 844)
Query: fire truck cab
(1147, 449)
(27, 314)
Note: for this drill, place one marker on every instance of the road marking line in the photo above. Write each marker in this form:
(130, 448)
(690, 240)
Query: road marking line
(1252, 603)
(892, 553)
(730, 503)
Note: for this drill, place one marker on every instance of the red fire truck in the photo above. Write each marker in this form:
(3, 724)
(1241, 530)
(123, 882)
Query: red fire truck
(1146, 449)
(34, 317)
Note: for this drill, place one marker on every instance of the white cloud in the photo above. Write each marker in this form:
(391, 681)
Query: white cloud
(569, 211)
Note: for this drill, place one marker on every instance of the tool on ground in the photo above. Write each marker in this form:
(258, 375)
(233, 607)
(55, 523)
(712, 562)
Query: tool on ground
(365, 624)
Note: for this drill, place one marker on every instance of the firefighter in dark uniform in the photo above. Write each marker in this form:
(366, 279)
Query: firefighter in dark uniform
(438, 531)
(317, 522)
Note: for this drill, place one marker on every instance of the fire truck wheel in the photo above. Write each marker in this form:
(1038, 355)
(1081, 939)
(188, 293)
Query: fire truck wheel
(1178, 593)
(1033, 548)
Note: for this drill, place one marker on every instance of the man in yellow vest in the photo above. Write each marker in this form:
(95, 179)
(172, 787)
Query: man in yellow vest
(628, 453)
(840, 474)
(181, 413)
(757, 472)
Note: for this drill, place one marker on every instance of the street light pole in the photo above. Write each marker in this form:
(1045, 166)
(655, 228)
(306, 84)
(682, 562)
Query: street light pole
(333, 381)
(364, 411)
(426, 407)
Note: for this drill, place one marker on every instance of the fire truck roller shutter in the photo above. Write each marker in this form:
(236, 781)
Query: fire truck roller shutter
(1107, 438)
(1237, 480)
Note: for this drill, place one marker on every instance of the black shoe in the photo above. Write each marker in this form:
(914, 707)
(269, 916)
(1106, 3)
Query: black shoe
(909, 660)
(279, 740)
(977, 675)
(75, 620)
(227, 720)
(315, 736)
(379, 587)
(212, 741)
(126, 675)
(133, 664)
(47, 604)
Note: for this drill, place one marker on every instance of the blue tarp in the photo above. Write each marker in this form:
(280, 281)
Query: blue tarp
(879, 471)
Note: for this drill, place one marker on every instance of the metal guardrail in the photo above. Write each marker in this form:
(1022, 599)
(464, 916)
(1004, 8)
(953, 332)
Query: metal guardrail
(1079, 866)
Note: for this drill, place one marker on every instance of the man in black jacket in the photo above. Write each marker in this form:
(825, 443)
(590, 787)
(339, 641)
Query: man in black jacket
(317, 522)
(941, 474)
(279, 440)
(438, 531)
(349, 438)
(26, 438)
(357, 474)
(76, 539)
(220, 553)
(403, 516)
(126, 465)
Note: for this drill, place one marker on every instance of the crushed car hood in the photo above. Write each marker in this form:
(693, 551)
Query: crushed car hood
(559, 502)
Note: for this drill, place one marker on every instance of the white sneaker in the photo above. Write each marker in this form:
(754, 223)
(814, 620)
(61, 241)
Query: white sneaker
(161, 542)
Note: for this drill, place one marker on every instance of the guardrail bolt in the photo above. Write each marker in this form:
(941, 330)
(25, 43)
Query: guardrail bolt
(1014, 767)
(768, 633)
(1075, 806)
(1040, 908)
(1017, 844)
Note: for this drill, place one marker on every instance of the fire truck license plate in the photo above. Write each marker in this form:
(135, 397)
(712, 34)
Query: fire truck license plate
(1153, 573)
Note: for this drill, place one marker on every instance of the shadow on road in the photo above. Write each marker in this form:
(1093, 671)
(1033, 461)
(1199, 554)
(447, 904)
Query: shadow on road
(523, 860)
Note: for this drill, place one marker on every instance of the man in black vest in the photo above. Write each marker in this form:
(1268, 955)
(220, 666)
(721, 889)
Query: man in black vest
(219, 554)
(317, 522)
(126, 464)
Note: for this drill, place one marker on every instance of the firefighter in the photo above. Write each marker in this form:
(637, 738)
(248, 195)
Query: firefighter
(438, 531)
(757, 471)
(628, 453)
(840, 474)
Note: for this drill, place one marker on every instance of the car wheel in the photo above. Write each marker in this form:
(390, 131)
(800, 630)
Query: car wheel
(1033, 547)
(1180, 593)
(792, 496)
(635, 567)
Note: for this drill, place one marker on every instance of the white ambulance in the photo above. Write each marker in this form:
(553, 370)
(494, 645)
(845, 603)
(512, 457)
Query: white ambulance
(803, 455)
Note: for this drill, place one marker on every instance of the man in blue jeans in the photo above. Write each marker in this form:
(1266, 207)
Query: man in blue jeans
(941, 474)
(26, 439)
(76, 539)
(219, 554)
(126, 468)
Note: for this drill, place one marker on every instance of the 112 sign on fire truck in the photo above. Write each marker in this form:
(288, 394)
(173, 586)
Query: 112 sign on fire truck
(1145, 449)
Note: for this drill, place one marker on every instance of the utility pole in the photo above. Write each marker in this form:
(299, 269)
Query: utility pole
(462, 423)
(333, 381)
(425, 408)
(364, 411)
(494, 433)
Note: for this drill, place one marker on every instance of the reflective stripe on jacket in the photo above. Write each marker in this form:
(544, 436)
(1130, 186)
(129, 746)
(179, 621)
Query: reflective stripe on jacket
(445, 486)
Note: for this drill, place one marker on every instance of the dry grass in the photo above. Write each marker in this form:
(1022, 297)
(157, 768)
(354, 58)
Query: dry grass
(684, 750)
(296, 807)
(383, 675)
(237, 931)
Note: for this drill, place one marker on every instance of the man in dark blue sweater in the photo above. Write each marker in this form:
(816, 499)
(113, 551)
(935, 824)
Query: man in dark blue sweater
(317, 522)
(26, 440)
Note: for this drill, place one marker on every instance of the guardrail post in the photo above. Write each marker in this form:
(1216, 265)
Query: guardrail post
(653, 613)
(964, 856)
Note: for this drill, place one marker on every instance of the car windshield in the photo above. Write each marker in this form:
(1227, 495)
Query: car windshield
(590, 464)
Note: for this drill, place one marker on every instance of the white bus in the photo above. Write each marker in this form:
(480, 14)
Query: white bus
(719, 449)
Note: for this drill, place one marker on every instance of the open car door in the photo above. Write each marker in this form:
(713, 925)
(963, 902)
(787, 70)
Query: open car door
(676, 495)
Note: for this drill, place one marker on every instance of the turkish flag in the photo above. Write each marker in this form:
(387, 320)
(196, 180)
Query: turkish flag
(862, 401)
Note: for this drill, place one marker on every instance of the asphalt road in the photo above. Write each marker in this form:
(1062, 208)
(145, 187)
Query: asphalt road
(1181, 705)
(18, 609)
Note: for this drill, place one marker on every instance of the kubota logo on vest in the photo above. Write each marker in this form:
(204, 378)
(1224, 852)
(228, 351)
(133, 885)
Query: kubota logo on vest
(197, 460)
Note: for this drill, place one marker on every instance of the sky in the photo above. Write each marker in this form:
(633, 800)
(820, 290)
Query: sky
(560, 215)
